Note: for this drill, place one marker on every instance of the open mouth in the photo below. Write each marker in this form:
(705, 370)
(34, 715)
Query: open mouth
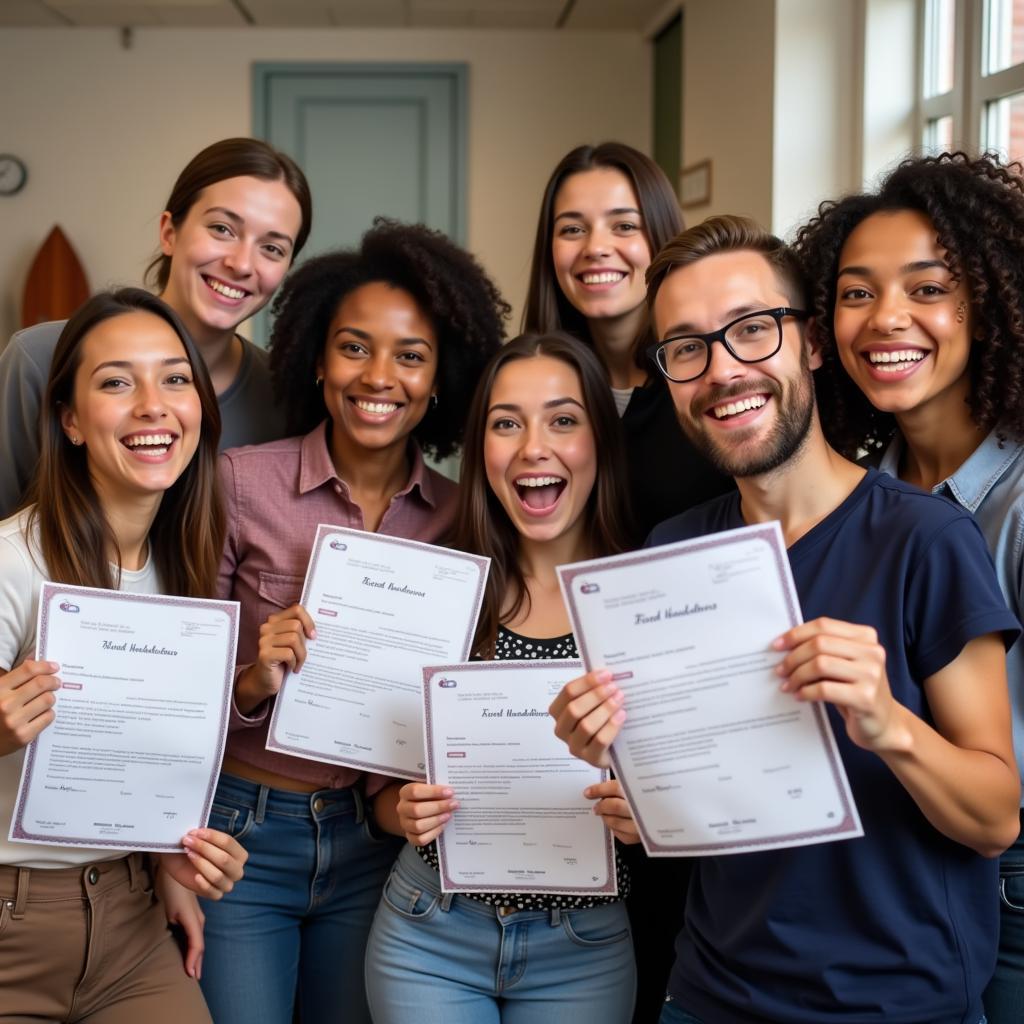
(149, 446)
(895, 361)
(539, 494)
(736, 407)
(227, 291)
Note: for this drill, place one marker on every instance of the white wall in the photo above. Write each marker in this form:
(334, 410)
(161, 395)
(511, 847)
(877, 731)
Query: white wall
(728, 102)
(105, 130)
(815, 108)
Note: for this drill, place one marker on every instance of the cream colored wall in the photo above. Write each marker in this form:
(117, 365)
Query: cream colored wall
(728, 102)
(815, 108)
(105, 130)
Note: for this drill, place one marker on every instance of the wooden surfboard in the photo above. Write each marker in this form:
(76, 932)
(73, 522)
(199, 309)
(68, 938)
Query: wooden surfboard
(56, 285)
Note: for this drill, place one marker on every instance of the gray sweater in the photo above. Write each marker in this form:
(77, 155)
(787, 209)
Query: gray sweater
(247, 409)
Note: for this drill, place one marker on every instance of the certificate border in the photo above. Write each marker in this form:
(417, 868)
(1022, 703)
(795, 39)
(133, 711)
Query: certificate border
(610, 886)
(323, 529)
(770, 534)
(47, 592)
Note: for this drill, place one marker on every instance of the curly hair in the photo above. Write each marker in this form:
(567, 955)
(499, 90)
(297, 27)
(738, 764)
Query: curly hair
(449, 286)
(976, 205)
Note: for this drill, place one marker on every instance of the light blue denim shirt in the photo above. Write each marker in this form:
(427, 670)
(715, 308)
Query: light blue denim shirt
(990, 485)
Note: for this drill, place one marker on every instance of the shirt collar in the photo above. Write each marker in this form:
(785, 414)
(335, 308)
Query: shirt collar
(317, 469)
(970, 484)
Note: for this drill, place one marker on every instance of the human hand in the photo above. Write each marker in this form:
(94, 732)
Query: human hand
(615, 813)
(182, 909)
(27, 696)
(211, 864)
(588, 715)
(843, 664)
(424, 810)
(282, 647)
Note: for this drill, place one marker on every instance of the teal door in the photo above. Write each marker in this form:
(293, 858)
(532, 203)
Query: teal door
(373, 139)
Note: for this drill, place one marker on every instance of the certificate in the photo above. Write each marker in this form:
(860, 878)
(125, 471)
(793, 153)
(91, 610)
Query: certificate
(132, 758)
(523, 824)
(713, 757)
(383, 608)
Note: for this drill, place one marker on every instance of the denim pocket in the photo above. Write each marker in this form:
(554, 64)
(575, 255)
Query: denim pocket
(597, 926)
(1011, 889)
(407, 900)
(237, 822)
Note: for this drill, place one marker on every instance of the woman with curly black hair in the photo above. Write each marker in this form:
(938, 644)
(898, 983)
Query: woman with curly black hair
(374, 357)
(919, 304)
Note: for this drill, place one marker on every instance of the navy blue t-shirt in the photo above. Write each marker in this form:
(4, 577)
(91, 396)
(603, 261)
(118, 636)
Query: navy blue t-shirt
(900, 925)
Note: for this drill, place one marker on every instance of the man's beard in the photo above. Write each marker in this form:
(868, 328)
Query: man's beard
(792, 425)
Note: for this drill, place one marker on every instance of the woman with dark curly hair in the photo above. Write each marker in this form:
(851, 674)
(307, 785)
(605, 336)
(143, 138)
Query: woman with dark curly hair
(605, 212)
(542, 485)
(374, 357)
(919, 304)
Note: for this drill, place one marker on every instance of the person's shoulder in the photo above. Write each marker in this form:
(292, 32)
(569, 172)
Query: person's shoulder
(269, 451)
(18, 544)
(711, 516)
(36, 344)
(912, 506)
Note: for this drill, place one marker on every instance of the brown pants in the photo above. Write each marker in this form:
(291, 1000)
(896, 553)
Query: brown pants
(90, 944)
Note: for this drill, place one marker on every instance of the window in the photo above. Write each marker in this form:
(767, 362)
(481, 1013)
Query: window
(971, 76)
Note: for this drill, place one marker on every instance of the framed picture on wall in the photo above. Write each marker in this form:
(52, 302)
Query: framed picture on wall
(695, 184)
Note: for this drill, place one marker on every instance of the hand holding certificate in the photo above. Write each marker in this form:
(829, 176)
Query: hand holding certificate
(132, 758)
(522, 824)
(383, 607)
(713, 757)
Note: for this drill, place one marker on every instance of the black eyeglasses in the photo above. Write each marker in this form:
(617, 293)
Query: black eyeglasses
(750, 339)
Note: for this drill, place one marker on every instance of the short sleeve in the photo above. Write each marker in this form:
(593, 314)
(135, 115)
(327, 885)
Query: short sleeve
(17, 605)
(953, 596)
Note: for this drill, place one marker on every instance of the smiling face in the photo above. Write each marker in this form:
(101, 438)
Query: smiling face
(230, 252)
(134, 407)
(901, 322)
(378, 366)
(747, 418)
(599, 249)
(539, 452)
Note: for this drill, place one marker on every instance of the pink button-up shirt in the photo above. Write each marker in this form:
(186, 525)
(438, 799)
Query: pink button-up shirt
(275, 495)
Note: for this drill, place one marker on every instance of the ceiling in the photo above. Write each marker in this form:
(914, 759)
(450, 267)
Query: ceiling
(614, 15)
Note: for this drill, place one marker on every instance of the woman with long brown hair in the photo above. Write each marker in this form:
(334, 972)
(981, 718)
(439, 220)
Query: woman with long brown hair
(237, 217)
(541, 486)
(605, 213)
(125, 498)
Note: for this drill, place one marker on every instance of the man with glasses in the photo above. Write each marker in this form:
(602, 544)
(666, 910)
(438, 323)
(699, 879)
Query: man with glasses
(904, 642)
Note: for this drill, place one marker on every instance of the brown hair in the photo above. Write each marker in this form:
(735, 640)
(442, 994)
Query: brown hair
(547, 309)
(232, 158)
(481, 523)
(728, 233)
(187, 535)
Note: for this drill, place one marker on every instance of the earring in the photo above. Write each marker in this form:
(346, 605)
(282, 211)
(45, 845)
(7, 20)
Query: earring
(318, 380)
(433, 400)
(74, 439)
(961, 312)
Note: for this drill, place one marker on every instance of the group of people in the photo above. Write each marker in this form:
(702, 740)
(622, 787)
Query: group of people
(862, 386)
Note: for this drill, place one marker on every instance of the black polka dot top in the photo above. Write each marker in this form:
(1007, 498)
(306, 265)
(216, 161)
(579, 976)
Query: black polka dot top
(511, 646)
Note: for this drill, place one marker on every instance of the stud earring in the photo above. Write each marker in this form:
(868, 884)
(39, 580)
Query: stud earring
(961, 312)
(74, 439)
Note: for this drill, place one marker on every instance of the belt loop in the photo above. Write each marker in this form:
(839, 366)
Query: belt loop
(134, 870)
(21, 897)
(556, 916)
(446, 901)
(360, 804)
(261, 804)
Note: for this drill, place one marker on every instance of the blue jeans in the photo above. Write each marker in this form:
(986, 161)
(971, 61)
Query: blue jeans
(444, 959)
(1004, 997)
(672, 1013)
(294, 928)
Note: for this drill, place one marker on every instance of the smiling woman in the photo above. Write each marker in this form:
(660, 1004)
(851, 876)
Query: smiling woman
(125, 498)
(374, 356)
(236, 218)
